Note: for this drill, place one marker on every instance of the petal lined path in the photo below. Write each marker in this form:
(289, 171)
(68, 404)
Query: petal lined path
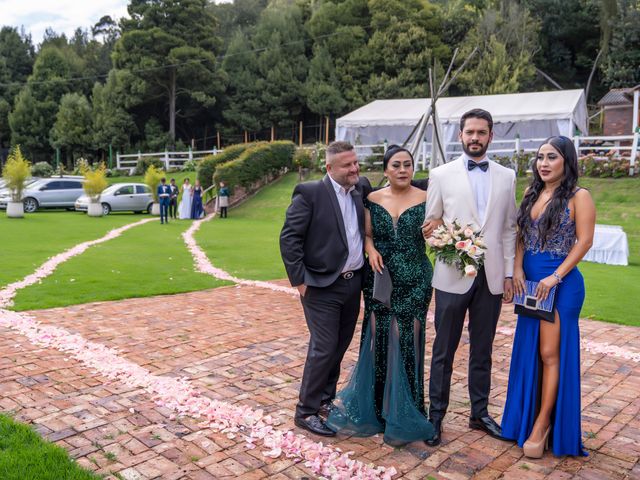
(247, 345)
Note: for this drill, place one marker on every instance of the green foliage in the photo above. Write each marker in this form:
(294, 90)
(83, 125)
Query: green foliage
(169, 48)
(41, 169)
(112, 123)
(95, 181)
(15, 172)
(152, 178)
(156, 138)
(622, 66)
(208, 165)
(507, 41)
(607, 167)
(145, 162)
(302, 158)
(72, 129)
(256, 164)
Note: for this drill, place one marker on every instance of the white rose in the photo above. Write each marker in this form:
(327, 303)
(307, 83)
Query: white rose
(470, 271)
(468, 232)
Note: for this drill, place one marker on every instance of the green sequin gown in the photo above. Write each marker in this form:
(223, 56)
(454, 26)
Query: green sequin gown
(385, 393)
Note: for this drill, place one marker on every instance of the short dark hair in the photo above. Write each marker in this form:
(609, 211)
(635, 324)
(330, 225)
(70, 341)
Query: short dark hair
(338, 147)
(392, 150)
(163, 179)
(172, 180)
(477, 113)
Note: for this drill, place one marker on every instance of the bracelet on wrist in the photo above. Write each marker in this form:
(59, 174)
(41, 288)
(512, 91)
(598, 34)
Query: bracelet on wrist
(557, 276)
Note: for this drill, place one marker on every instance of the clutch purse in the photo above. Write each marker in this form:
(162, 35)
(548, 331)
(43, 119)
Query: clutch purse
(382, 287)
(528, 305)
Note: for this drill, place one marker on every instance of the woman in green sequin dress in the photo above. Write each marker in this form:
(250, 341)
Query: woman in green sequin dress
(385, 393)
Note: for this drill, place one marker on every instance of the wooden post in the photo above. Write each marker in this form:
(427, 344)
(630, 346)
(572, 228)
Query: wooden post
(245, 137)
(193, 144)
(326, 131)
(273, 133)
(218, 139)
(300, 135)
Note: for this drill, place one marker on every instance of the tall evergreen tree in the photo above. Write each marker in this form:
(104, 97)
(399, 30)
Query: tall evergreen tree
(72, 128)
(169, 46)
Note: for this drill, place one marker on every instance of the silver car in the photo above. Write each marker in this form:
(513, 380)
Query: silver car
(121, 197)
(59, 192)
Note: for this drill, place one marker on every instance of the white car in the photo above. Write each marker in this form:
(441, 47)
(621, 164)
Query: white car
(121, 197)
(56, 192)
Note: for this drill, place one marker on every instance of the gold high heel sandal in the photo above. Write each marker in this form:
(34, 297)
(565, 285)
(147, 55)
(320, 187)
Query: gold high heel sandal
(536, 449)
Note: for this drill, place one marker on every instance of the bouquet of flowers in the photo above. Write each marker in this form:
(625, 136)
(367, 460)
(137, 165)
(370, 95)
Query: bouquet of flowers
(460, 246)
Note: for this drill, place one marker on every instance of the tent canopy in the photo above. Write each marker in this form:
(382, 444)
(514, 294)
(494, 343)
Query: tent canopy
(529, 115)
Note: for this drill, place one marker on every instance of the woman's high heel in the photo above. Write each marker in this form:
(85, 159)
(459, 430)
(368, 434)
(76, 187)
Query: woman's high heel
(536, 449)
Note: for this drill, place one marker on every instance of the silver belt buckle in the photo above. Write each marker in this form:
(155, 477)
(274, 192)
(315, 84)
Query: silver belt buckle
(347, 275)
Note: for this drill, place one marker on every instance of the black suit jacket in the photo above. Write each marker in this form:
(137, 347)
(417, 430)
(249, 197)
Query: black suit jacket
(313, 241)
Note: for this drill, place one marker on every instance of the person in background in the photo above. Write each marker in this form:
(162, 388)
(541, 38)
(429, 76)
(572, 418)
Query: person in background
(223, 199)
(196, 204)
(164, 192)
(173, 199)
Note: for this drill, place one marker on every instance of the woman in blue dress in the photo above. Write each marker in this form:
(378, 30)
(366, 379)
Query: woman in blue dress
(196, 204)
(556, 222)
(385, 393)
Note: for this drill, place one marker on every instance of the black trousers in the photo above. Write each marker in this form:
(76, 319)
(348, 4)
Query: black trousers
(223, 212)
(331, 313)
(173, 208)
(484, 311)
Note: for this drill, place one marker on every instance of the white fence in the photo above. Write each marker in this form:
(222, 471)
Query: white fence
(170, 159)
(599, 145)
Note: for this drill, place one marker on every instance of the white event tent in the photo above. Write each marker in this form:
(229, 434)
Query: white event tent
(534, 115)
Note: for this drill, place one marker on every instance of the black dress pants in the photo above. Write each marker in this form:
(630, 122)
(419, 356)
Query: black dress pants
(484, 311)
(331, 313)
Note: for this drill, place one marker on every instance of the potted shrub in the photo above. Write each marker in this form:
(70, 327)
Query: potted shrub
(95, 181)
(152, 178)
(16, 171)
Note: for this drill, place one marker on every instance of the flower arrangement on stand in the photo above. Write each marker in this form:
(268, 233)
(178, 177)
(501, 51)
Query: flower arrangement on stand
(95, 181)
(15, 172)
(152, 178)
(460, 246)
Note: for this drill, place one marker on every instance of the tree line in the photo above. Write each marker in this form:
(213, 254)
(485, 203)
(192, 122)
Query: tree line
(181, 71)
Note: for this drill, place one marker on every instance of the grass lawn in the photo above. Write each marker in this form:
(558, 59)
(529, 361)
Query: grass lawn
(28, 242)
(24, 455)
(148, 260)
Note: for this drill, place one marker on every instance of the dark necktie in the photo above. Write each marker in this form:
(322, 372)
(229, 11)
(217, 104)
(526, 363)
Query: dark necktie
(483, 165)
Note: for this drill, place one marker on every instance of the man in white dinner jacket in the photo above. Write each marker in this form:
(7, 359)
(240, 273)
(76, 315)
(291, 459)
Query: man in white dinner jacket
(472, 190)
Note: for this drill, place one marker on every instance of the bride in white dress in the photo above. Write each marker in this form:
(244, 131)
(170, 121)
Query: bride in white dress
(184, 209)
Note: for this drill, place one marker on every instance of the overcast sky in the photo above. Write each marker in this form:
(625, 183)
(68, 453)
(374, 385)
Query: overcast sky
(63, 16)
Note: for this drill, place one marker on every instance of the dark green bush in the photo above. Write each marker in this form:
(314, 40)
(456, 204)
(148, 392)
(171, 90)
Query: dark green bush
(207, 165)
(255, 164)
(145, 162)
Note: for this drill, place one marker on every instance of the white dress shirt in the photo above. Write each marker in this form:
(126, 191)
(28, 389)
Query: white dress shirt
(481, 185)
(355, 260)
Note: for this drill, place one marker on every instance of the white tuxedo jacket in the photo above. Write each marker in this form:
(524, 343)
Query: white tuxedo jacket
(450, 197)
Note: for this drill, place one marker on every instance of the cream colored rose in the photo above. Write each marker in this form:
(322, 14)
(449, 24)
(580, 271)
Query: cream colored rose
(470, 271)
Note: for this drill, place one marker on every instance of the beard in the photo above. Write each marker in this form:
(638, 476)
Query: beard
(477, 153)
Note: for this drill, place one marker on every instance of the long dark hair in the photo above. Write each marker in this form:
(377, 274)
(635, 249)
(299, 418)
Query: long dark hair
(557, 204)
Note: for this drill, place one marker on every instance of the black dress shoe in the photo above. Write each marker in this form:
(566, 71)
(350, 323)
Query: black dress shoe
(488, 425)
(314, 424)
(437, 434)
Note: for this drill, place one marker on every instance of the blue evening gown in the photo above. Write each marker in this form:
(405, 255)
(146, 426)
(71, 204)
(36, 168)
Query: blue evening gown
(523, 394)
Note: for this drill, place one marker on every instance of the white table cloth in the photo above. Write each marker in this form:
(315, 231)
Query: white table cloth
(610, 246)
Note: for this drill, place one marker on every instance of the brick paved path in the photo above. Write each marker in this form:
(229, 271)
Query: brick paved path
(247, 345)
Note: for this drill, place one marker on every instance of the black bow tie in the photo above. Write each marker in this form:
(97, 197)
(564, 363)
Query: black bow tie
(483, 165)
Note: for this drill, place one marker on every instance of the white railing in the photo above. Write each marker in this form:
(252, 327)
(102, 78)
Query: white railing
(600, 145)
(170, 159)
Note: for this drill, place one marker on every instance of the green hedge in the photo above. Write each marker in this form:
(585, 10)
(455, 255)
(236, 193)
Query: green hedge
(207, 165)
(256, 163)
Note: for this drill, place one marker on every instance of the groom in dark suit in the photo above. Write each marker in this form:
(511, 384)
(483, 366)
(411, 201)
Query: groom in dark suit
(322, 246)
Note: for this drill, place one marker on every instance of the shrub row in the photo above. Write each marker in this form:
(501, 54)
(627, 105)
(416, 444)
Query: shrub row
(207, 166)
(256, 164)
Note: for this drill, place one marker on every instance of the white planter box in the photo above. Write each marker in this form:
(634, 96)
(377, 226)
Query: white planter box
(15, 210)
(155, 209)
(94, 209)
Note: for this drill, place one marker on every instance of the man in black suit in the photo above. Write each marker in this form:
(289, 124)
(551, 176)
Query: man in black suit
(322, 246)
(173, 199)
